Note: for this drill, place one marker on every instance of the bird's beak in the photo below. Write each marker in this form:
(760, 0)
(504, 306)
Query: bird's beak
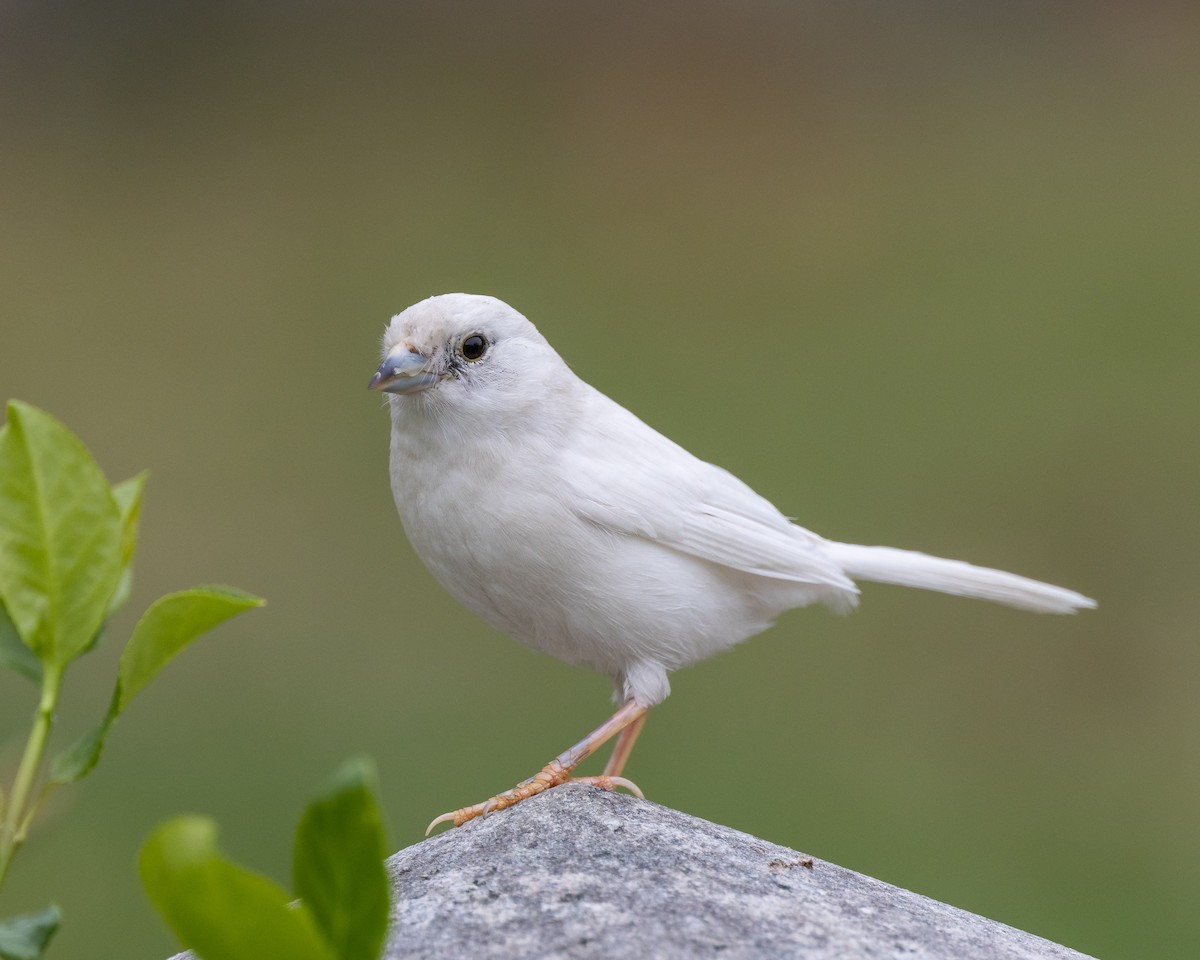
(404, 370)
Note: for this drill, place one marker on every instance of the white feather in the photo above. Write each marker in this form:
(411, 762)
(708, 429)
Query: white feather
(908, 568)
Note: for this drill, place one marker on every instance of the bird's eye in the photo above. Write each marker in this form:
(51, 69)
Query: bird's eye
(473, 347)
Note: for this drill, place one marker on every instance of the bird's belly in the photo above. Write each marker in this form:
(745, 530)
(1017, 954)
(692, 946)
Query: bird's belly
(563, 586)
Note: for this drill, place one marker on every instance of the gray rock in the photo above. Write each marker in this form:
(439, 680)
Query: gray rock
(578, 872)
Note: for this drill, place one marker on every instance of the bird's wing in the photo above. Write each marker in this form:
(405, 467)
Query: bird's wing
(632, 480)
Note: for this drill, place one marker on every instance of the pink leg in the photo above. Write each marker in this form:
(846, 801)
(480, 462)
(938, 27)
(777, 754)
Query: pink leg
(559, 769)
(620, 755)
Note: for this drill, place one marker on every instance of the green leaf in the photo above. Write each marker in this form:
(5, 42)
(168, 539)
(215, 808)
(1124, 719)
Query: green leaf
(217, 908)
(60, 549)
(14, 654)
(169, 625)
(25, 937)
(77, 761)
(338, 869)
(128, 496)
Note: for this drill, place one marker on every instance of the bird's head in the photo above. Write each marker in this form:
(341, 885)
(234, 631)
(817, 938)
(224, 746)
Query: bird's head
(466, 351)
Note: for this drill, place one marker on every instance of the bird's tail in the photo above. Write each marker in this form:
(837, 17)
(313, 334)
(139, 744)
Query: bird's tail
(910, 569)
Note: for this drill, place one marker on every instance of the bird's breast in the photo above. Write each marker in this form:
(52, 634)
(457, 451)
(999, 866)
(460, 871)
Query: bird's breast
(498, 531)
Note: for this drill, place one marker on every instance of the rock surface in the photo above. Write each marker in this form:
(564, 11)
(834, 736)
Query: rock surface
(577, 872)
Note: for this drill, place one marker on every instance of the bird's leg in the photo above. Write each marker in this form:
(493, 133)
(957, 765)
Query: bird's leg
(620, 755)
(558, 770)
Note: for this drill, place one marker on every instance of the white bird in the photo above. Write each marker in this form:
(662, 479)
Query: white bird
(565, 521)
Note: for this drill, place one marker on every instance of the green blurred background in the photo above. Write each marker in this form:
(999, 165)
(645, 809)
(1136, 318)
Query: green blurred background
(922, 274)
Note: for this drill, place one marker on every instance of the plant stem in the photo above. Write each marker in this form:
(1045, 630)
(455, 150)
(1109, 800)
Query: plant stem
(12, 830)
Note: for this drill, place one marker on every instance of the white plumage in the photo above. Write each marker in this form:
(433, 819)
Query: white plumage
(565, 521)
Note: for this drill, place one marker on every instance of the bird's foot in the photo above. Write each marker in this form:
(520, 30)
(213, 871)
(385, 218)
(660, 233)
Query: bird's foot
(551, 775)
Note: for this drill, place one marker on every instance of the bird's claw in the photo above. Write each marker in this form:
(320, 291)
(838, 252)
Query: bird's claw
(444, 818)
(611, 783)
(552, 775)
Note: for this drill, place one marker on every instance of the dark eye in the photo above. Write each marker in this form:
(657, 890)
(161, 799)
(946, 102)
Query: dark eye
(474, 347)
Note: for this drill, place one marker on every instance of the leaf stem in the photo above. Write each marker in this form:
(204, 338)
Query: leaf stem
(16, 823)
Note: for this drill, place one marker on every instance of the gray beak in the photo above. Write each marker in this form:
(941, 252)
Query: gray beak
(404, 370)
